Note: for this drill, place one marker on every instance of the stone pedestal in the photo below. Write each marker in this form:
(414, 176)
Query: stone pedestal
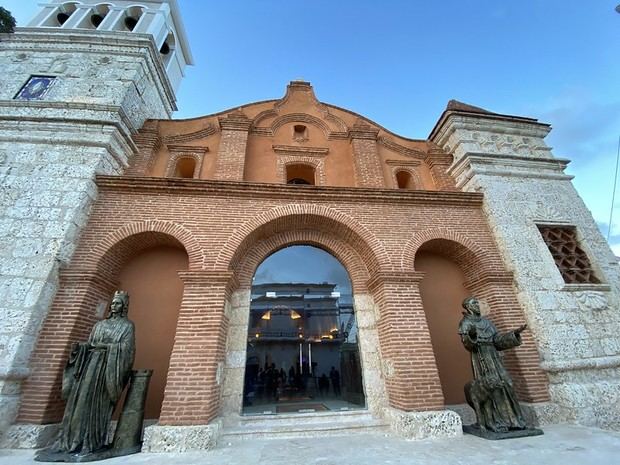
(424, 425)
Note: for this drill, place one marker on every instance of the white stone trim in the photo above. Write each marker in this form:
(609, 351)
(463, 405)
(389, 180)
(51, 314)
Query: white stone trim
(424, 425)
(160, 438)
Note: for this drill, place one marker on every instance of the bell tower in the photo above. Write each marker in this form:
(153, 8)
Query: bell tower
(77, 82)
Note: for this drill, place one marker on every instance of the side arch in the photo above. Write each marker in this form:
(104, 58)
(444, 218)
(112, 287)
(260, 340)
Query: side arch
(297, 217)
(463, 250)
(109, 255)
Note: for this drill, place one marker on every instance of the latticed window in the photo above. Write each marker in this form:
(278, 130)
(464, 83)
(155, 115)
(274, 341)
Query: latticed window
(570, 259)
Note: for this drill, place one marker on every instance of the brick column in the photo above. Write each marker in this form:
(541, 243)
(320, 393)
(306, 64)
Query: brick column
(368, 170)
(439, 163)
(80, 301)
(412, 379)
(192, 394)
(530, 381)
(148, 142)
(231, 155)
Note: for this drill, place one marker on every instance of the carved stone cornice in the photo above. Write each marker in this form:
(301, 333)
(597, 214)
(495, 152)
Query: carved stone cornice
(597, 363)
(507, 166)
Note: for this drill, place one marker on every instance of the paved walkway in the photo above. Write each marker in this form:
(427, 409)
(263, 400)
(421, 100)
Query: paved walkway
(561, 445)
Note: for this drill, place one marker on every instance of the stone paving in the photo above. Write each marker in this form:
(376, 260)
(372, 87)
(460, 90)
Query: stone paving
(561, 444)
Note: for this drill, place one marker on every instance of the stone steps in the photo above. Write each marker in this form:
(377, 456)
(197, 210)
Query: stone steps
(299, 425)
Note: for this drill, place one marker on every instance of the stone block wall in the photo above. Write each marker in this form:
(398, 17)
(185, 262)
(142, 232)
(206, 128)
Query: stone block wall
(576, 326)
(51, 149)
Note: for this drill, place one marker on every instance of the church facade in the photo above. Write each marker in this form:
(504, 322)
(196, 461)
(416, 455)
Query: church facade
(101, 190)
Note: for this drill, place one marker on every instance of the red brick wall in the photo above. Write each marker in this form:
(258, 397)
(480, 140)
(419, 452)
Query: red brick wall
(412, 381)
(70, 319)
(148, 142)
(230, 161)
(368, 167)
(227, 228)
(192, 392)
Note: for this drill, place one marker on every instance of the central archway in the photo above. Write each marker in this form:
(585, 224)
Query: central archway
(302, 341)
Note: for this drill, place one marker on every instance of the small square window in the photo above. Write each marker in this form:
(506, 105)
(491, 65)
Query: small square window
(36, 88)
(571, 260)
(300, 133)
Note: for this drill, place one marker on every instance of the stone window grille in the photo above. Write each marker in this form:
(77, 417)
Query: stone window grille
(571, 260)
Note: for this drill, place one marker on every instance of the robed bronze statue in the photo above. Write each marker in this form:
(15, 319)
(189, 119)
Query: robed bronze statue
(491, 393)
(95, 376)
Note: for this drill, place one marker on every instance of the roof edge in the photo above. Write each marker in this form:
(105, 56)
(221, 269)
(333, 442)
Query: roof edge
(455, 107)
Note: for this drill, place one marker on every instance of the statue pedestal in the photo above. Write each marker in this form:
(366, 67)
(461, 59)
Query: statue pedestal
(492, 435)
(128, 435)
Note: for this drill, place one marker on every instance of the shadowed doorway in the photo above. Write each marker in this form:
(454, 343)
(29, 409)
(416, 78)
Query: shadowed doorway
(302, 347)
(155, 294)
(442, 291)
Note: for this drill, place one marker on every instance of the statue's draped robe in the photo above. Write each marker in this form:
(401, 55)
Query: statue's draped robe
(93, 382)
(489, 369)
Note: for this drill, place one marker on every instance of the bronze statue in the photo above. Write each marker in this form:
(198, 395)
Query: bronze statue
(94, 378)
(491, 393)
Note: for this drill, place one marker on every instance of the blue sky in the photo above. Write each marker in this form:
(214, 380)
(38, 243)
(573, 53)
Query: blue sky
(317, 266)
(399, 62)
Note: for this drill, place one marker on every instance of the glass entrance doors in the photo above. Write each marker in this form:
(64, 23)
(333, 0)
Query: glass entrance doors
(302, 351)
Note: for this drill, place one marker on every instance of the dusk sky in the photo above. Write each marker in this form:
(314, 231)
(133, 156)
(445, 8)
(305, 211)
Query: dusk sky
(399, 62)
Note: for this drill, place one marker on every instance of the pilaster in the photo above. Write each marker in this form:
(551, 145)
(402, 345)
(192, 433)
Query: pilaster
(412, 379)
(230, 161)
(148, 142)
(368, 169)
(192, 395)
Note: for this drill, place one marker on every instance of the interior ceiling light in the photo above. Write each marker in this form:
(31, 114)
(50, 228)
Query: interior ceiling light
(295, 315)
(266, 315)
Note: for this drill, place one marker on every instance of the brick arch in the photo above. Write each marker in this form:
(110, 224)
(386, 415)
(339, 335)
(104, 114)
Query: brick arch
(301, 217)
(472, 259)
(412, 172)
(300, 118)
(318, 164)
(346, 255)
(108, 256)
